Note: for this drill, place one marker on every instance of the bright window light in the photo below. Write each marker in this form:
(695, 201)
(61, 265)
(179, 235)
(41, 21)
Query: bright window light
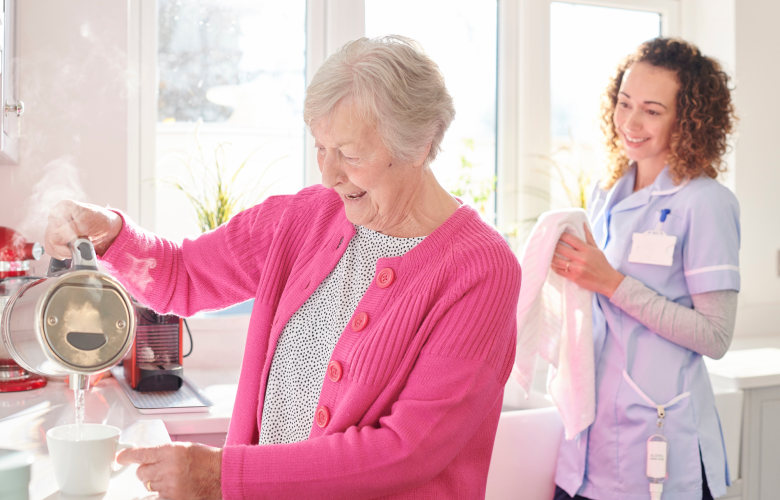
(586, 45)
(460, 36)
(236, 66)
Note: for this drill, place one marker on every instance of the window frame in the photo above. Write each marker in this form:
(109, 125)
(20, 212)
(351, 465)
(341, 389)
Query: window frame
(329, 24)
(524, 137)
(523, 97)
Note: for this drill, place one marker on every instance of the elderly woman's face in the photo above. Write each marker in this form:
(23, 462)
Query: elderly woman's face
(378, 193)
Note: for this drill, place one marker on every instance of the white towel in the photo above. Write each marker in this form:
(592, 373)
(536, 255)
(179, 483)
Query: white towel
(554, 321)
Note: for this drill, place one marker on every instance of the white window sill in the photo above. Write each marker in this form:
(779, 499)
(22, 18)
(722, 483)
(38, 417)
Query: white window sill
(218, 342)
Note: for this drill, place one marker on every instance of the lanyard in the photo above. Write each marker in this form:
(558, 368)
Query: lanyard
(661, 408)
(657, 444)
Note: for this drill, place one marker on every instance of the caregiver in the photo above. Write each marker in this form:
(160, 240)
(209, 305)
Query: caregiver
(383, 327)
(663, 259)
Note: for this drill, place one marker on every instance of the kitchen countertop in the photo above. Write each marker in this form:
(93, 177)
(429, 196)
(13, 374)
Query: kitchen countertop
(747, 369)
(25, 417)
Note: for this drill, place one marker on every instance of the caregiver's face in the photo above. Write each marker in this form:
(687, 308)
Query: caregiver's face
(377, 191)
(646, 112)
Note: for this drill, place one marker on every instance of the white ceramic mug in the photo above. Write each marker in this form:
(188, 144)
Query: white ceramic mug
(82, 457)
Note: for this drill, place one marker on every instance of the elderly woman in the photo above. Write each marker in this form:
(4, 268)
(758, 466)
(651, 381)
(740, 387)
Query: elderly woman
(383, 327)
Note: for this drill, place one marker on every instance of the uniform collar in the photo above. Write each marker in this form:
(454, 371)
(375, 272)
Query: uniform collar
(622, 197)
(664, 185)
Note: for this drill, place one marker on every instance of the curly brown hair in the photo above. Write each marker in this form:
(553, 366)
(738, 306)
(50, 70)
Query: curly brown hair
(705, 113)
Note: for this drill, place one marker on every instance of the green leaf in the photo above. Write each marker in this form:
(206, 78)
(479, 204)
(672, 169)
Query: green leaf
(213, 189)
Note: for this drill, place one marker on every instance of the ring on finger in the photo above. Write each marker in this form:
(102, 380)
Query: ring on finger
(149, 485)
(567, 266)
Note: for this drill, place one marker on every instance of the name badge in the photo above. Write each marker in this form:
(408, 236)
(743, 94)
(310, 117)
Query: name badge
(652, 247)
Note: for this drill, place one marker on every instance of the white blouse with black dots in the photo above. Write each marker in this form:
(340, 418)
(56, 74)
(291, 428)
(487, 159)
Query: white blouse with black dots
(307, 341)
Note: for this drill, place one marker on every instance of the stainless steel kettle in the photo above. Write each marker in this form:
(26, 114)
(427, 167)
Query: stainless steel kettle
(77, 321)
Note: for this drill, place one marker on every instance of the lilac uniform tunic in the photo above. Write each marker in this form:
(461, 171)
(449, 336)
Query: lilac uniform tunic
(608, 460)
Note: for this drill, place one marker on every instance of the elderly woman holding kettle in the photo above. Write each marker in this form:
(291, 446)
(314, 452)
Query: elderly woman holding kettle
(664, 261)
(383, 327)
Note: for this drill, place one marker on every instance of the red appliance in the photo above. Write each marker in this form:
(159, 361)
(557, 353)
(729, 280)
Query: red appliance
(15, 256)
(155, 360)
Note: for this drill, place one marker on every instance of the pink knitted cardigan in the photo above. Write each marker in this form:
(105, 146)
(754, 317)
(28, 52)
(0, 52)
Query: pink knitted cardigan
(414, 414)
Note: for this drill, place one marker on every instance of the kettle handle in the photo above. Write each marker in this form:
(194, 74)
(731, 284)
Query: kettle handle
(83, 257)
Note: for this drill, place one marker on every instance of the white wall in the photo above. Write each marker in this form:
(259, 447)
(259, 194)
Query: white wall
(710, 25)
(73, 69)
(742, 35)
(758, 166)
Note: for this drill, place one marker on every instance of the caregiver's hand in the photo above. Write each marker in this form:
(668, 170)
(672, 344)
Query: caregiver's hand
(70, 219)
(585, 264)
(178, 471)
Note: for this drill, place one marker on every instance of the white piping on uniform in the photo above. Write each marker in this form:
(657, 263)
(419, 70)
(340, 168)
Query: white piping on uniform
(671, 191)
(652, 403)
(711, 269)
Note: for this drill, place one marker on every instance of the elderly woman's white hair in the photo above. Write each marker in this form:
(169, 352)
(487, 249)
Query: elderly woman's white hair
(394, 85)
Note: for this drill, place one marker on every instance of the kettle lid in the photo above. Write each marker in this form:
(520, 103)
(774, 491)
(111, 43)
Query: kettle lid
(87, 321)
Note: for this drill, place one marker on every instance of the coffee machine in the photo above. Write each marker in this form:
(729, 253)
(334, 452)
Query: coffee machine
(15, 257)
(155, 360)
(77, 321)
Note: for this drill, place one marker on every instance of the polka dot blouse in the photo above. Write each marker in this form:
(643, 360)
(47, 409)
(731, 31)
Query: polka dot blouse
(307, 341)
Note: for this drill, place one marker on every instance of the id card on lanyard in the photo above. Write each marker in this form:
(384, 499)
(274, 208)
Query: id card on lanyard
(657, 444)
(654, 246)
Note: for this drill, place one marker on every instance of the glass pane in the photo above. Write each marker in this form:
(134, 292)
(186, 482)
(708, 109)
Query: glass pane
(232, 71)
(586, 44)
(462, 41)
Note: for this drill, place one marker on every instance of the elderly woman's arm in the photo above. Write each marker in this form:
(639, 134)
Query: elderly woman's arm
(216, 270)
(451, 399)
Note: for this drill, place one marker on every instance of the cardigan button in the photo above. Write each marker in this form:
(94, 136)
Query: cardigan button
(322, 416)
(335, 371)
(360, 321)
(385, 278)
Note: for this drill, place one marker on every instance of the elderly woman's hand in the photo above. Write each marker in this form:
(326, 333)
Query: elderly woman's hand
(70, 219)
(585, 264)
(178, 471)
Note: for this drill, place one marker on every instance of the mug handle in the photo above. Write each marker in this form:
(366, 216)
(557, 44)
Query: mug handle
(116, 472)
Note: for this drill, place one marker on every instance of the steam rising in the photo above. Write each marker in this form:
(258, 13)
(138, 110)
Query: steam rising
(73, 84)
(60, 181)
(139, 271)
(54, 85)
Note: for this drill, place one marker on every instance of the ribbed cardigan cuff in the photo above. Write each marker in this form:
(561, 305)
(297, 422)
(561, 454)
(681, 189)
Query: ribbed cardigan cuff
(232, 475)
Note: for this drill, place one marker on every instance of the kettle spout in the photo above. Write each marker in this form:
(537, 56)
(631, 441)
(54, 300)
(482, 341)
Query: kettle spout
(78, 382)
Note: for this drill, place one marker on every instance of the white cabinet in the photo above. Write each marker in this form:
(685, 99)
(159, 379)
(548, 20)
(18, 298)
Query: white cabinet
(10, 104)
(757, 373)
(761, 444)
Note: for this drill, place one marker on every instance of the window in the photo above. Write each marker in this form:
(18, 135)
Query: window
(230, 89)
(462, 41)
(526, 76)
(586, 44)
(554, 58)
